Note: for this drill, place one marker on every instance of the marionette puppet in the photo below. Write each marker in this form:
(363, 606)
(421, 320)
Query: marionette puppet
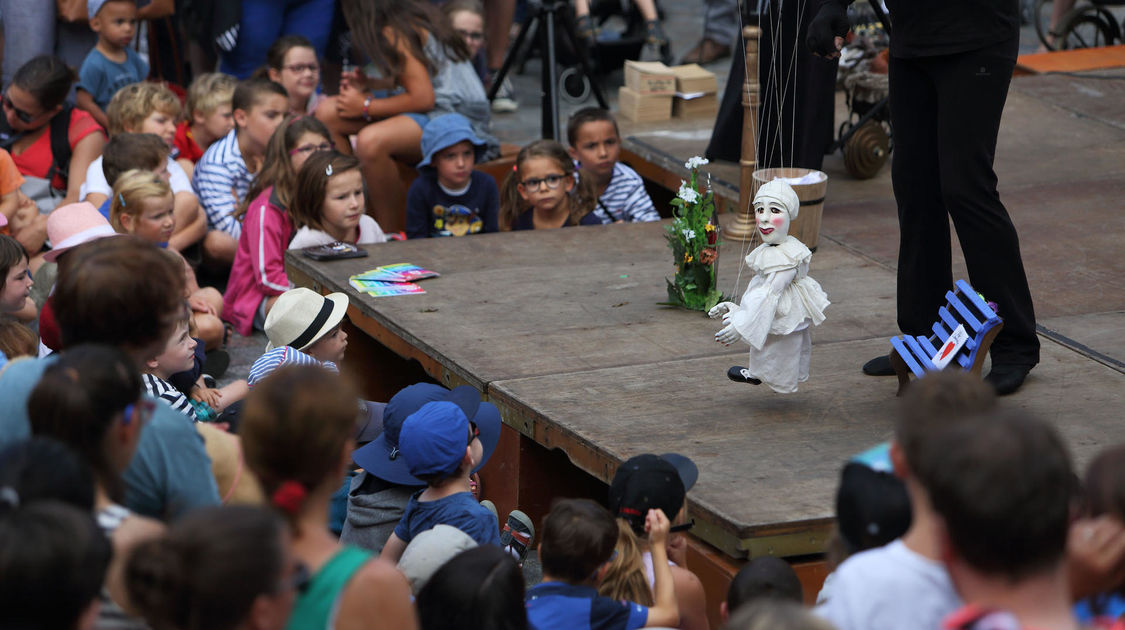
(781, 301)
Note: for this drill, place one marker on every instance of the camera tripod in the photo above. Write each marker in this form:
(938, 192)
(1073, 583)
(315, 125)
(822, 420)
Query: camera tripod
(543, 19)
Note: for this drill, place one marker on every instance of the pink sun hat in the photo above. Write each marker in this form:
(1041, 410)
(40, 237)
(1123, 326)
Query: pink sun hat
(73, 225)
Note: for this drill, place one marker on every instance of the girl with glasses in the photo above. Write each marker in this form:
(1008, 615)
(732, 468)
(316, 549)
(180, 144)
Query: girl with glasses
(257, 276)
(219, 568)
(292, 62)
(543, 191)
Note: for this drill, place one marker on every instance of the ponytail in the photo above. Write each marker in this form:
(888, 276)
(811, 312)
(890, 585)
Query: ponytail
(626, 578)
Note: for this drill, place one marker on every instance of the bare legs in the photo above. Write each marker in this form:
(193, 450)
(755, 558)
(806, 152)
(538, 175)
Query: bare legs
(378, 145)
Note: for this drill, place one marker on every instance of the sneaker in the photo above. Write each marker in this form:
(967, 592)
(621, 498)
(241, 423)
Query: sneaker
(505, 101)
(518, 534)
(740, 374)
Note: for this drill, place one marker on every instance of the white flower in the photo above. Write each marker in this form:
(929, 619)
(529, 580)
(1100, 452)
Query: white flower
(696, 162)
(687, 193)
(689, 234)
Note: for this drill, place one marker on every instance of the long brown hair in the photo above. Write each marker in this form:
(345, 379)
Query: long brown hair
(277, 166)
(626, 578)
(312, 186)
(583, 197)
(371, 20)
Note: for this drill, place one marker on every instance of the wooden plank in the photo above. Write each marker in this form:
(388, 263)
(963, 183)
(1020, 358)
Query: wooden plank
(1077, 60)
(769, 463)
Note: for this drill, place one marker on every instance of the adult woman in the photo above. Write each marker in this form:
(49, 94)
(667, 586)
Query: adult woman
(297, 428)
(51, 143)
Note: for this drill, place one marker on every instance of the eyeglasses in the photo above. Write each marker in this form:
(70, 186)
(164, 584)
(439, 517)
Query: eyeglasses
(536, 183)
(139, 412)
(312, 148)
(683, 527)
(302, 67)
(475, 36)
(24, 117)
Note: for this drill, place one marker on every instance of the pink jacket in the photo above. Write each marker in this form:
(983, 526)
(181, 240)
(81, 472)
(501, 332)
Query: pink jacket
(259, 264)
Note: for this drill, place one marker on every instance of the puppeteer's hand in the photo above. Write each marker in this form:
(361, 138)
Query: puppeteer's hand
(828, 28)
(721, 309)
(728, 334)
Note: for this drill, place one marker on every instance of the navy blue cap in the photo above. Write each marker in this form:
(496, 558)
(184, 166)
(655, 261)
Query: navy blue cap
(382, 457)
(445, 131)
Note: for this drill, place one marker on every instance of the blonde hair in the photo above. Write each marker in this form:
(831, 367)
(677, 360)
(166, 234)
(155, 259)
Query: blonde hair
(209, 91)
(133, 103)
(626, 578)
(131, 188)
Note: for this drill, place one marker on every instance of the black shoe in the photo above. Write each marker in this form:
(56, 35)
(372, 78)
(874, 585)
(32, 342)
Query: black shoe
(216, 363)
(1006, 379)
(879, 366)
(740, 374)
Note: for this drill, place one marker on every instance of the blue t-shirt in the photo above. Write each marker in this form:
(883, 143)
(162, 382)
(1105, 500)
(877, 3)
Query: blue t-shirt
(562, 606)
(170, 473)
(430, 211)
(102, 78)
(526, 220)
(458, 510)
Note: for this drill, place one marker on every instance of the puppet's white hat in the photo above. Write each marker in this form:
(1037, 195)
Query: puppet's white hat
(780, 191)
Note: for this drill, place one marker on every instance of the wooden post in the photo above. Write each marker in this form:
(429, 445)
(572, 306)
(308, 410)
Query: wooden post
(742, 228)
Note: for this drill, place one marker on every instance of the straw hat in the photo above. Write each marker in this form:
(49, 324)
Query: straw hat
(302, 316)
(73, 225)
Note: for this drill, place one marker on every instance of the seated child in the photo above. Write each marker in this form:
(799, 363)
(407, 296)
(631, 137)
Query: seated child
(142, 206)
(449, 198)
(329, 204)
(24, 221)
(543, 191)
(764, 577)
(291, 61)
(222, 176)
(128, 151)
(577, 546)
(442, 447)
(178, 356)
(208, 117)
(112, 64)
(297, 336)
(595, 144)
(16, 340)
(467, 19)
(257, 276)
(149, 108)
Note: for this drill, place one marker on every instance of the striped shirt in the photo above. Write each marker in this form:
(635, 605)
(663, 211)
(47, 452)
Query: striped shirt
(221, 180)
(625, 198)
(162, 389)
(285, 355)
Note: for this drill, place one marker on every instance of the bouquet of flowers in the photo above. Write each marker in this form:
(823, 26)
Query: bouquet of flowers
(694, 239)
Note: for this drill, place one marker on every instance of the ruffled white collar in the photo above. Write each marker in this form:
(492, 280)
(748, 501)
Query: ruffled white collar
(787, 254)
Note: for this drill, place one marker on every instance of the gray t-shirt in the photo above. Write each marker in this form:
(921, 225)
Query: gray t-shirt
(889, 588)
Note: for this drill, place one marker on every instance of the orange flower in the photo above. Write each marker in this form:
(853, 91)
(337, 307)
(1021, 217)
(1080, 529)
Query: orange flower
(708, 255)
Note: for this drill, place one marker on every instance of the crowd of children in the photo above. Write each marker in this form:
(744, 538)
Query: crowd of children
(118, 447)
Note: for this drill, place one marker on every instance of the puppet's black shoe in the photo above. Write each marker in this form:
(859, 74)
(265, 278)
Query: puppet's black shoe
(1006, 379)
(879, 366)
(742, 375)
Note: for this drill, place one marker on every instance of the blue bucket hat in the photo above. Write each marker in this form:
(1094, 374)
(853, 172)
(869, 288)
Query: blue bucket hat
(445, 131)
(383, 458)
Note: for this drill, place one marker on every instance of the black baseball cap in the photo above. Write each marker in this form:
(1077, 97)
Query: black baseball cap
(649, 482)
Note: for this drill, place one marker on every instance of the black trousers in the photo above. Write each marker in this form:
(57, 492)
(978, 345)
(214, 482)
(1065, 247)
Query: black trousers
(945, 111)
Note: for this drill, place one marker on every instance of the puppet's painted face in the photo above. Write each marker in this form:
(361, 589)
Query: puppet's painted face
(773, 220)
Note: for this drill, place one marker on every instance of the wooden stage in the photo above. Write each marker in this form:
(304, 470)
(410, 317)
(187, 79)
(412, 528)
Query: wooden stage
(563, 331)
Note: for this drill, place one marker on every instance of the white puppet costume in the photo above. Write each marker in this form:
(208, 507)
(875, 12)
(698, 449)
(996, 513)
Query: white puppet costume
(780, 302)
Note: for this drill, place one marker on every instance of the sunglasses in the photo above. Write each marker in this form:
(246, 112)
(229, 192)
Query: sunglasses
(683, 527)
(474, 432)
(23, 116)
(312, 148)
(536, 183)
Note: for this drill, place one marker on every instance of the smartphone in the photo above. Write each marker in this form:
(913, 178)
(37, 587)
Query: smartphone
(334, 251)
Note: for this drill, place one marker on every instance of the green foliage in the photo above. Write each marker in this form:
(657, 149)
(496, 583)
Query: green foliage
(693, 238)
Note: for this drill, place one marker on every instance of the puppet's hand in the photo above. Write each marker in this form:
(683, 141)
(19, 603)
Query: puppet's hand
(728, 334)
(721, 309)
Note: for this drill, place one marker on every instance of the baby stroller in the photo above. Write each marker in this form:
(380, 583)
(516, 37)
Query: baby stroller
(865, 136)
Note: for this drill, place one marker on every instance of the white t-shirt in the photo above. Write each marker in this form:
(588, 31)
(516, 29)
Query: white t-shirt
(96, 182)
(369, 232)
(889, 588)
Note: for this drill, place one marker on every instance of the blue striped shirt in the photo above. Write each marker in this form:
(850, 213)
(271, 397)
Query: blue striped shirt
(162, 389)
(625, 199)
(278, 357)
(221, 180)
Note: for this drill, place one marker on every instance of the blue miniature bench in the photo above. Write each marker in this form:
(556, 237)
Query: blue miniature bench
(912, 354)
